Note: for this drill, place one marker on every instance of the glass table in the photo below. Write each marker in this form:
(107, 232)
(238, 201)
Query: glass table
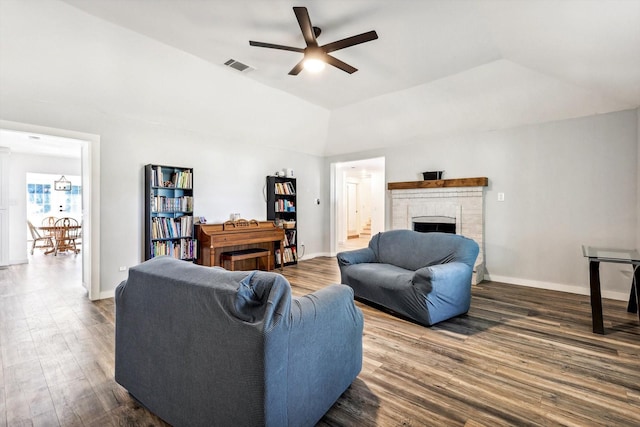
(621, 256)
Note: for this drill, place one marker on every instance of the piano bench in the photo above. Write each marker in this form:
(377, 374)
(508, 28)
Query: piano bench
(259, 254)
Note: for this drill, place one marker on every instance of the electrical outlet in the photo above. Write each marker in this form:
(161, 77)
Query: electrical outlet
(301, 243)
(501, 197)
(123, 268)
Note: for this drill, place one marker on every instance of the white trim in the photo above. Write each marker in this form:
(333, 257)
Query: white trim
(561, 287)
(315, 255)
(107, 294)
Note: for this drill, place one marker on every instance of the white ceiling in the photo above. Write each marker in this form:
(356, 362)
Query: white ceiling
(588, 45)
(47, 145)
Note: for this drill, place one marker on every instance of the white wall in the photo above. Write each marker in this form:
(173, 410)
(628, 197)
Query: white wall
(566, 183)
(150, 103)
(378, 193)
(20, 165)
(5, 155)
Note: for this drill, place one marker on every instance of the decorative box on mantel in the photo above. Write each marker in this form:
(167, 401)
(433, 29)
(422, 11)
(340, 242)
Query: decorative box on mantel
(443, 201)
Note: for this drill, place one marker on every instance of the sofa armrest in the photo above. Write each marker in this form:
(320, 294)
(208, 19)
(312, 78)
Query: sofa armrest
(325, 309)
(325, 351)
(440, 277)
(445, 289)
(357, 256)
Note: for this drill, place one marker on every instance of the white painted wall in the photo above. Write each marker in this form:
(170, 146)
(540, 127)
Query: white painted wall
(566, 183)
(378, 198)
(365, 201)
(150, 103)
(21, 164)
(5, 155)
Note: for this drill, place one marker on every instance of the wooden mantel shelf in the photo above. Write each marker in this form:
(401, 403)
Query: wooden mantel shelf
(439, 183)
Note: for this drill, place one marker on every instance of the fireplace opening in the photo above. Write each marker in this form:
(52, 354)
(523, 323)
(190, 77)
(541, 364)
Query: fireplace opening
(431, 224)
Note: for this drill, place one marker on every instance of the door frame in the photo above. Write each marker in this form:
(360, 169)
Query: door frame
(90, 171)
(337, 195)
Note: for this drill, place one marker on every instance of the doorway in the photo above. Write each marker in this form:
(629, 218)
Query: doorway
(358, 203)
(45, 140)
(353, 218)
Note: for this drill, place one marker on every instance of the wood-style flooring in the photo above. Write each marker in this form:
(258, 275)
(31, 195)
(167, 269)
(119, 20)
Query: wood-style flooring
(520, 357)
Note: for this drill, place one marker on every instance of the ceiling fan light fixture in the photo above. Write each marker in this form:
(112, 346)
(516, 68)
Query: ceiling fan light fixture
(316, 57)
(314, 65)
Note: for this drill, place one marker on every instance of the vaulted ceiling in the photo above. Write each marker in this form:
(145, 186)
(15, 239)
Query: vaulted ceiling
(438, 67)
(576, 45)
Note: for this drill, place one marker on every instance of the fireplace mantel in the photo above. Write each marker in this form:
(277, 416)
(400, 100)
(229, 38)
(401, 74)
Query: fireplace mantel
(439, 183)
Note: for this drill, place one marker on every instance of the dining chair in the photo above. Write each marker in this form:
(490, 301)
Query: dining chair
(39, 241)
(49, 221)
(79, 238)
(66, 233)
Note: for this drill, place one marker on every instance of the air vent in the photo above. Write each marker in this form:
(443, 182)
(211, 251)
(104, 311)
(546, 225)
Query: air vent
(236, 65)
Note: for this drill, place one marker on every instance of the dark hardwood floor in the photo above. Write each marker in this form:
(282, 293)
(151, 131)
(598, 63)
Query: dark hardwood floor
(520, 357)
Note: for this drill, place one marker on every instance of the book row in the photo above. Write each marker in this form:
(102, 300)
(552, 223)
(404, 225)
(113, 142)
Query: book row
(179, 179)
(285, 188)
(182, 249)
(289, 254)
(290, 237)
(172, 228)
(285, 206)
(171, 204)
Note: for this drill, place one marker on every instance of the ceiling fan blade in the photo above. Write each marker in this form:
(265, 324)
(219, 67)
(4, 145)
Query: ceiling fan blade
(350, 41)
(305, 25)
(296, 70)
(340, 64)
(276, 46)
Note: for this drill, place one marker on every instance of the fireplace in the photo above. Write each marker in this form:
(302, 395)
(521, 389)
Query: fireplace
(455, 204)
(433, 224)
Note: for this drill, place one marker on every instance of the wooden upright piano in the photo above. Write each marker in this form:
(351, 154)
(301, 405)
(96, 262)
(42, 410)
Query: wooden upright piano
(213, 239)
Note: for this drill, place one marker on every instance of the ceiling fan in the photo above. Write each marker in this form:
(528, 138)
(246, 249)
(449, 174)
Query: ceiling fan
(315, 55)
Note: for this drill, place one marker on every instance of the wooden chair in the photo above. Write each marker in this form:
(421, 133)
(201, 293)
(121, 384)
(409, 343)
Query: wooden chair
(39, 241)
(79, 237)
(49, 221)
(67, 231)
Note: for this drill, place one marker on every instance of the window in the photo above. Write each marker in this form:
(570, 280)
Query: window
(43, 200)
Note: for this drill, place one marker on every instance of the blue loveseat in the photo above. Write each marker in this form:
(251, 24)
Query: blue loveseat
(202, 346)
(423, 276)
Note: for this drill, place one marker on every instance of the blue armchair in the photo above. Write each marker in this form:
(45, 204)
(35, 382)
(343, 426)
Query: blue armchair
(423, 276)
(202, 346)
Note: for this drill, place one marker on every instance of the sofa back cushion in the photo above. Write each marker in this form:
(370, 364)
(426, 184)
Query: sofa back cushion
(413, 250)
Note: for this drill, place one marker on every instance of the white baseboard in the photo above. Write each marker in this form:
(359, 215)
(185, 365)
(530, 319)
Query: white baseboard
(18, 261)
(107, 294)
(572, 289)
(315, 255)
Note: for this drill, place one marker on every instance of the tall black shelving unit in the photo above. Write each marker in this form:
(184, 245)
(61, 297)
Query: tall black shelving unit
(168, 216)
(281, 208)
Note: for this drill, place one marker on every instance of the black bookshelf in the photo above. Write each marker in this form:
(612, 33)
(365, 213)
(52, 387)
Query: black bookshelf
(168, 219)
(281, 208)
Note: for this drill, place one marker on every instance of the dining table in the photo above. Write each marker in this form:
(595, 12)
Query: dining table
(60, 236)
(597, 255)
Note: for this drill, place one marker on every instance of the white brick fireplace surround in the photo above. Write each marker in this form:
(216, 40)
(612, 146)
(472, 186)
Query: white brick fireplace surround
(462, 199)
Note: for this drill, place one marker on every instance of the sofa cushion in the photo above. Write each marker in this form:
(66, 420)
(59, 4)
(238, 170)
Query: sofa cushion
(387, 277)
(412, 251)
